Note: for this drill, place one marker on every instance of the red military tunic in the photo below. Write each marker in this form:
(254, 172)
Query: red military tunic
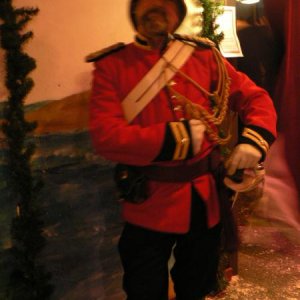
(168, 207)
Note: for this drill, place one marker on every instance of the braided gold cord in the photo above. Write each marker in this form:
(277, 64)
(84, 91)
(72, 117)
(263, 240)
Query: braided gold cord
(220, 97)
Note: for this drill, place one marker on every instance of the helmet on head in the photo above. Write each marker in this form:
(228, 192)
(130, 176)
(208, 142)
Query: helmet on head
(181, 10)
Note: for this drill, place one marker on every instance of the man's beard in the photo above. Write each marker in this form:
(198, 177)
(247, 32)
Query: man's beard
(155, 22)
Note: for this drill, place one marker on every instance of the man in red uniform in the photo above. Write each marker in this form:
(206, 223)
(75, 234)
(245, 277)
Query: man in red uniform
(170, 141)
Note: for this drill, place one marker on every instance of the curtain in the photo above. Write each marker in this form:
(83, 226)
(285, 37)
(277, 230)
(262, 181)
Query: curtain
(288, 91)
(283, 162)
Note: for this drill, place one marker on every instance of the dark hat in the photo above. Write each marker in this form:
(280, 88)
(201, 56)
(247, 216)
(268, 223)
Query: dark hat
(181, 9)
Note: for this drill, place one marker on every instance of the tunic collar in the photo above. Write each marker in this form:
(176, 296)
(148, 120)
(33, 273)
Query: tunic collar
(143, 43)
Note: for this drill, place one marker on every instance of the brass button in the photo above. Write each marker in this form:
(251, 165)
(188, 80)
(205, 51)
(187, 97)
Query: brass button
(177, 108)
(172, 83)
(184, 141)
(124, 175)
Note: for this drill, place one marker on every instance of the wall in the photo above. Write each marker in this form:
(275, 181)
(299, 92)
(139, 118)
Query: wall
(64, 33)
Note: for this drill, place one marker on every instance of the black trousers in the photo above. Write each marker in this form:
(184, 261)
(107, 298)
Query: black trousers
(145, 254)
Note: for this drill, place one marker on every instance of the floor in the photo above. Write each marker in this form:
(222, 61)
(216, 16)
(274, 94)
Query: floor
(269, 263)
(268, 258)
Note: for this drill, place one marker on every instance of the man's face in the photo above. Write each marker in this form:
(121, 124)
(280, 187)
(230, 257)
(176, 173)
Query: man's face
(156, 18)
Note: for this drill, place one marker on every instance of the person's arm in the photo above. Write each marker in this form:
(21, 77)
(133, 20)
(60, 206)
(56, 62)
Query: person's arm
(258, 116)
(116, 140)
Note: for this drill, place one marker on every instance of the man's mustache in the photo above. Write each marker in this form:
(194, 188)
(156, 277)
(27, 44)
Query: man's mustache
(156, 10)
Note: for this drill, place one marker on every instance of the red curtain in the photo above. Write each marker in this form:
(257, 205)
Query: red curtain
(285, 21)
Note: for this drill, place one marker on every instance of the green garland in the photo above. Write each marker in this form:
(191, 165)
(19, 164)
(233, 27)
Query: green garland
(28, 280)
(211, 10)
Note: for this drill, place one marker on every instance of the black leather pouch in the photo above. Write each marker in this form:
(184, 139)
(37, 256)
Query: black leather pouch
(131, 184)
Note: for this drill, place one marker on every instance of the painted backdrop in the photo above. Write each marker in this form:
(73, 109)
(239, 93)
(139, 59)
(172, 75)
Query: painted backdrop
(80, 206)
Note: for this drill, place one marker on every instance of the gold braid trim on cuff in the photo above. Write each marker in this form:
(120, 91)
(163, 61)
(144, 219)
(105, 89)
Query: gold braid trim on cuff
(182, 140)
(257, 138)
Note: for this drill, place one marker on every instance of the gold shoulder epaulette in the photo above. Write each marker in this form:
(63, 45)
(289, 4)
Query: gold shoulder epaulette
(199, 41)
(104, 52)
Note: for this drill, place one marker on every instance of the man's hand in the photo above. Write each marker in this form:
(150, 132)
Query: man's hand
(197, 132)
(244, 156)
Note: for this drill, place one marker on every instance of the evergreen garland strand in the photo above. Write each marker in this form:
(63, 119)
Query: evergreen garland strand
(28, 280)
(211, 10)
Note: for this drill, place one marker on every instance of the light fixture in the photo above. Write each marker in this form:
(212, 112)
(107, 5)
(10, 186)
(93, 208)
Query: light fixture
(248, 1)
